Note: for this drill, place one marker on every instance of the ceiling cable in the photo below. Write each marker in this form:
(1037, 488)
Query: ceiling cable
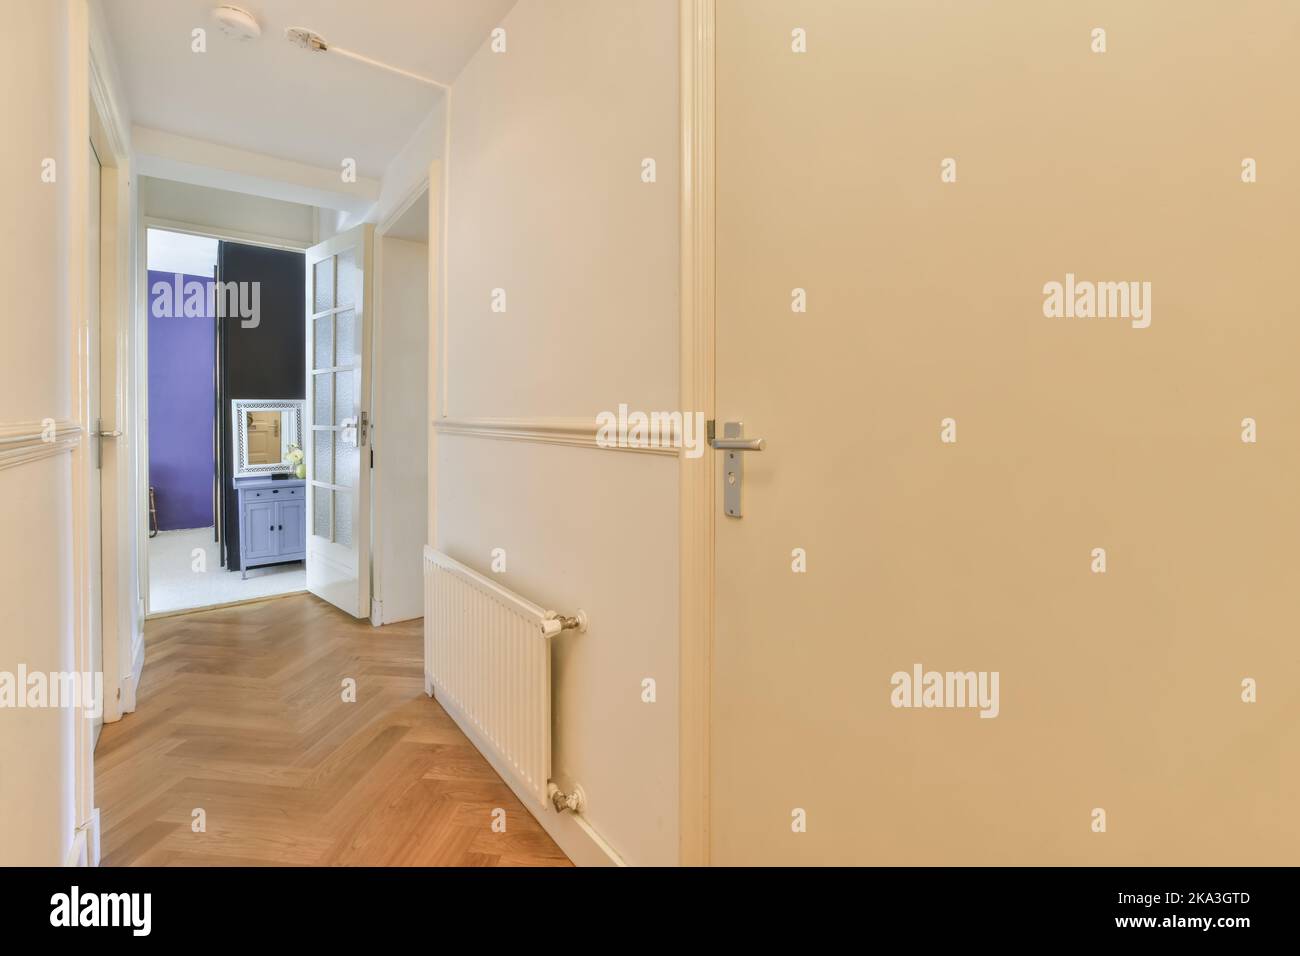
(310, 40)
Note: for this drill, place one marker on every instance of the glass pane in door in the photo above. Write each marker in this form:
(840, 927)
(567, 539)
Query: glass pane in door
(323, 384)
(346, 333)
(323, 283)
(345, 410)
(322, 505)
(323, 350)
(347, 271)
(343, 519)
(323, 455)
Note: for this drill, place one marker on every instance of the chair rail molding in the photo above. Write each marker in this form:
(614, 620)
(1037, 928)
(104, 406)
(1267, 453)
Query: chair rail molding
(696, 475)
(579, 432)
(24, 442)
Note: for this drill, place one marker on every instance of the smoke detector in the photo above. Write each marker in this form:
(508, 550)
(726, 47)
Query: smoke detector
(236, 22)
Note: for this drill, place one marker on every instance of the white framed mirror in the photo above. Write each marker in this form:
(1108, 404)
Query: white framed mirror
(264, 431)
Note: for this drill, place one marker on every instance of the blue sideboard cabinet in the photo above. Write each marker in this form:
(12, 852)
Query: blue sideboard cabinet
(272, 521)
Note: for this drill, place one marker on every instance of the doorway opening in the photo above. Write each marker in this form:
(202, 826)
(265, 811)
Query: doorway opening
(225, 383)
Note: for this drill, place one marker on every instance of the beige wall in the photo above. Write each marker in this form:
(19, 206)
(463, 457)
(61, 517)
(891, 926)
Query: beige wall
(546, 202)
(36, 757)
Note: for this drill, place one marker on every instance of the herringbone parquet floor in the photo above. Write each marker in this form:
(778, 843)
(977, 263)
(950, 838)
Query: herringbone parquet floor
(241, 716)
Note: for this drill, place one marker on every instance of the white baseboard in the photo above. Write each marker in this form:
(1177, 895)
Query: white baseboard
(78, 853)
(92, 838)
(381, 616)
(571, 832)
(85, 843)
(400, 616)
(131, 682)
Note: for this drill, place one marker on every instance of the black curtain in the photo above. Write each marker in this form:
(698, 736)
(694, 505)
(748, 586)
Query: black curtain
(266, 360)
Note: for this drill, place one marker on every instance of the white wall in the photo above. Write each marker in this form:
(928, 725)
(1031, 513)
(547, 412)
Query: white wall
(37, 804)
(400, 436)
(227, 212)
(401, 374)
(546, 201)
(410, 167)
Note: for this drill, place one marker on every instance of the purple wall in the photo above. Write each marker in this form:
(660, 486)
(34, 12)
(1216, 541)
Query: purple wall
(182, 353)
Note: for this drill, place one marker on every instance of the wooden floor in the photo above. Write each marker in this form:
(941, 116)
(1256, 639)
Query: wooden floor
(240, 714)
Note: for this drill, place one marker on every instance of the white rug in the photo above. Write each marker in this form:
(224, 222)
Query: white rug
(175, 583)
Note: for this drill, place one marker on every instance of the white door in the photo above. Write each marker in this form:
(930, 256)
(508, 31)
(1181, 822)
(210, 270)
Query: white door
(338, 412)
(946, 460)
(94, 542)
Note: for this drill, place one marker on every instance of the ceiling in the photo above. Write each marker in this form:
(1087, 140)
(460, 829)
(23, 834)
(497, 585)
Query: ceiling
(269, 97)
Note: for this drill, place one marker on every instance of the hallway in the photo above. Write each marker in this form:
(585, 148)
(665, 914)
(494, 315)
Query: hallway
(241, 715)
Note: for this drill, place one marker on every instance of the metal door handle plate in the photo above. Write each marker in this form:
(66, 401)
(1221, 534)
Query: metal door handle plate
(733, 442)
(99, 434)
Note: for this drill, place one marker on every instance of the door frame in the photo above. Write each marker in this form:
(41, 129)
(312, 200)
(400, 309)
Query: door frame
(95, 117)
(697, 504)
(425, 187)
(120, 621)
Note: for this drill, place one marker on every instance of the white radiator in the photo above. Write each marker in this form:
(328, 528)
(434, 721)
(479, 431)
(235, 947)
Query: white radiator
(487, 658)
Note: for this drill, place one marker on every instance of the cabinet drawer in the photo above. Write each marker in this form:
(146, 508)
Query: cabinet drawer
(275, 494)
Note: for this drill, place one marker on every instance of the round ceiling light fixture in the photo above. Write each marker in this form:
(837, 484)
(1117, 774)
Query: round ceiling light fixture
(236, 22)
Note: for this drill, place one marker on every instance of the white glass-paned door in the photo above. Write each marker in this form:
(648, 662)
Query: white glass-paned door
(338, 377)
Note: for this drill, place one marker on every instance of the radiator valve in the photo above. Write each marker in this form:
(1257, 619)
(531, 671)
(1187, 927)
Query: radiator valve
(575, 800)
(554, 624)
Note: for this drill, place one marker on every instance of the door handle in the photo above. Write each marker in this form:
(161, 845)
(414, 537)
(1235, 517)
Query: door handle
(99, 434)
(733, 441)
(738, 444)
